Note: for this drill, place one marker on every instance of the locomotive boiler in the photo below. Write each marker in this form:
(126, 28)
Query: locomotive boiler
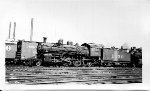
(62, 54)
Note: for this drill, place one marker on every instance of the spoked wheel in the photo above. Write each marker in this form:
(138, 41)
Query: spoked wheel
(124, 65)
(15, 62)
(133, 65)
(38, 62)
(89, 64)
(77, 63)
(28, 62)
(67, 62)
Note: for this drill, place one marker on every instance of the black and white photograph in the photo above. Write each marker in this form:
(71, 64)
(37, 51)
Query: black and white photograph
(75, 43)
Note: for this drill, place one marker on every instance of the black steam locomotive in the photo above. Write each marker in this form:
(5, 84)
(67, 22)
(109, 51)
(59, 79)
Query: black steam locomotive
(87, 55)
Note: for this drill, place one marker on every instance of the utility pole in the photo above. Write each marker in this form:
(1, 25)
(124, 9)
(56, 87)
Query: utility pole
(9, 30)
(14, 30)
(31, 29)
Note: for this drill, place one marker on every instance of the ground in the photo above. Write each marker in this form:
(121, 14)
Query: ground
(81, 75)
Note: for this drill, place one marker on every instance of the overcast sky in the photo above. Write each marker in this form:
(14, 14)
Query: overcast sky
(108, 22)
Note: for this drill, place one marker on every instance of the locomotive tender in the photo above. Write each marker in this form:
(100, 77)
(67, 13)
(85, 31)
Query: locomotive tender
(57, 54)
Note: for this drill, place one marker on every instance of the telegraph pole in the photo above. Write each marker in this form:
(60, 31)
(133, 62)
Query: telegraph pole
(31, 29)
(14, 30)
(9, 30)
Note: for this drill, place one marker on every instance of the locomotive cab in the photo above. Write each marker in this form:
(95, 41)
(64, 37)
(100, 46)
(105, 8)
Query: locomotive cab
(95, 54)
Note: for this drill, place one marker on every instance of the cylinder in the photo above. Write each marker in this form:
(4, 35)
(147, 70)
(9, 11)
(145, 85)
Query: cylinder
(44, 39)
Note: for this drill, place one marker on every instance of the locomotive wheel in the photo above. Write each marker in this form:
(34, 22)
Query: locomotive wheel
(38, 62)
(77, 63)
(124, 65)
(89, 64)
(66, 64)
(134, 65)
(15, 62)
(25, 63)
(28, 62)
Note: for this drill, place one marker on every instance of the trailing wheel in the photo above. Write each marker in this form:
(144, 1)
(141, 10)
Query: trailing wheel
(133, 65)
(124, 65)
(77, 63)
(38, 62)
(26, 62)
(15, 61)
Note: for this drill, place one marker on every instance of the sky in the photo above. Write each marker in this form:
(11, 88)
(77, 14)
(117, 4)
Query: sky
(107, 22)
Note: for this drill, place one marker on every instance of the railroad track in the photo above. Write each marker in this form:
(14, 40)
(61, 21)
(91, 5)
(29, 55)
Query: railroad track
(86, 75)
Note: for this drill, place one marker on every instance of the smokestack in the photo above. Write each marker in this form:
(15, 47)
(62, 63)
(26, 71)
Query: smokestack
(31, 29)
(9, 30)
(44, 39)
(60, 41)
(14, 30)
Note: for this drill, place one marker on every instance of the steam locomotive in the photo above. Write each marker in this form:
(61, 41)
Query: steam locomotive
(88, 54)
